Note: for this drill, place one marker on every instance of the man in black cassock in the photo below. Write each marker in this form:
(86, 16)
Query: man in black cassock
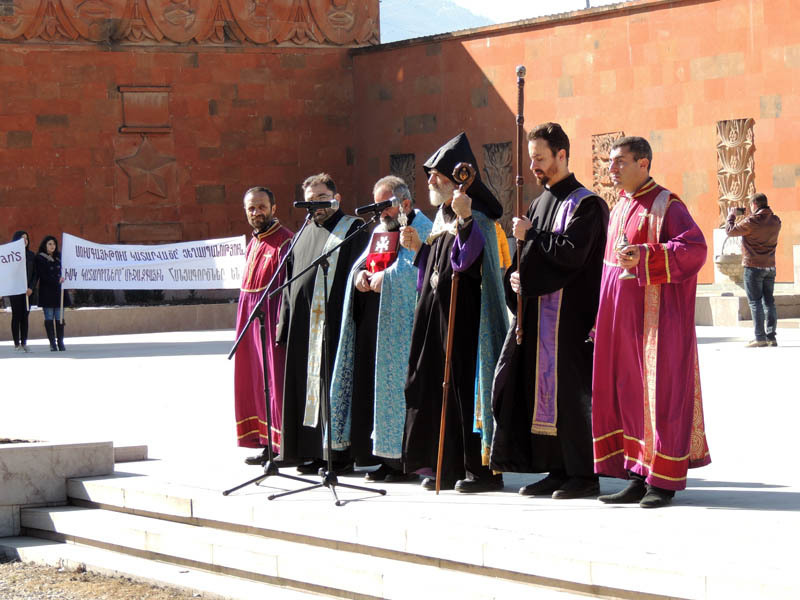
(542, 391)
(463, 236)
(301, 322)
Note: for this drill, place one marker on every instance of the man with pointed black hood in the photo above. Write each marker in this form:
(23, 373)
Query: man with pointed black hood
(463, 240)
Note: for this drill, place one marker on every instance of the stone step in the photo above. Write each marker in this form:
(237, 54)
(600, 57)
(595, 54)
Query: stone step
(116, 564)
(312, 568)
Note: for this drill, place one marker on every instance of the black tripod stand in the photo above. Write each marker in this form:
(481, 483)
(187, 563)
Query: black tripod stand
(329, 477)
(270, 468)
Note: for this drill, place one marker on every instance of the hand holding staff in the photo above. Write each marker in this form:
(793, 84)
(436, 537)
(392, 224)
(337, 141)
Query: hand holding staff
(464, 174)
(520, 182)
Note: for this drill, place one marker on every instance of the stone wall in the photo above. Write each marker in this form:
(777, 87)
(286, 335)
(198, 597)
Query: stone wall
(665, 70)
(146, 120)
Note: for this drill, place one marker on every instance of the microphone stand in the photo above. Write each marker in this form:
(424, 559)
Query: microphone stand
(258, 312)
(329, 478)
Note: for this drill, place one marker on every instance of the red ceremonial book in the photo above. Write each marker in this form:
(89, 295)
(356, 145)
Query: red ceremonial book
(382, 250)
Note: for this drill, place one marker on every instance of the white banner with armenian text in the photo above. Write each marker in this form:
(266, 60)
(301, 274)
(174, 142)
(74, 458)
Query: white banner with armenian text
(201, 265)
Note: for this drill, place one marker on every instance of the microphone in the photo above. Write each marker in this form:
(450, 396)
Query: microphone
(334, 204)
(378, 206)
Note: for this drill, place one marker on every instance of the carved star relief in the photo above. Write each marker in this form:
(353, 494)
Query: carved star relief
(146, 170)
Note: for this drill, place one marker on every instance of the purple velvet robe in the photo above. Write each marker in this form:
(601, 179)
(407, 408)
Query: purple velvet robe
(647, 411)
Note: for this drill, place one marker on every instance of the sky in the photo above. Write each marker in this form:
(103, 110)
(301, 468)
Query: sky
(502, 11)
(404, 19)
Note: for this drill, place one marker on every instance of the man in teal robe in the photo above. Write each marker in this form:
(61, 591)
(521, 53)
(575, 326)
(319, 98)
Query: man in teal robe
(367, 392)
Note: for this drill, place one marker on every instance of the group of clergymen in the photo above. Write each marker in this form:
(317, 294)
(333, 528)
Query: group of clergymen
(604, 379)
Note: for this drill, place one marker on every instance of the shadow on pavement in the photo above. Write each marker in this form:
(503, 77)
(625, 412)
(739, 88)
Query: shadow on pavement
(153, 349)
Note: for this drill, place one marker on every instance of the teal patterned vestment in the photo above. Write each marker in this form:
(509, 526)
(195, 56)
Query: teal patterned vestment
(491, 332)
(395, 320)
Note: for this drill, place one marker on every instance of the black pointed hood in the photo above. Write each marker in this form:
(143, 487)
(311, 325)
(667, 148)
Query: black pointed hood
(447, 157)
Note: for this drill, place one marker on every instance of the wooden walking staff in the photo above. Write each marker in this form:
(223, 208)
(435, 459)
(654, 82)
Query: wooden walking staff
(520, 182)
(464, 174)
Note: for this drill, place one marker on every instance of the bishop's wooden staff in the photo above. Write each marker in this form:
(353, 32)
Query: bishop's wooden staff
(520, 182)
(464, 174)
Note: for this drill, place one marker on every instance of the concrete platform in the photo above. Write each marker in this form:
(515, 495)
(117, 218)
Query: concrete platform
(731, 534)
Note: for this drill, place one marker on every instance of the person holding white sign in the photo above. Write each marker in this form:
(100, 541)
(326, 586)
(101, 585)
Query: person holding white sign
(20, 303)
(49, 277)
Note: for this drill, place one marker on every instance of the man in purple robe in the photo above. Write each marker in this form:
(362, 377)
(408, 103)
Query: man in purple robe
(268, 242)
(647, 410)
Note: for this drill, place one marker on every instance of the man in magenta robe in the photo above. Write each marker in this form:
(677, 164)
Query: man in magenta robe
(264, 251)
(647, 411)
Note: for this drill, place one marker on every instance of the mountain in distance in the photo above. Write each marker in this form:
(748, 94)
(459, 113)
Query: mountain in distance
(405, 19)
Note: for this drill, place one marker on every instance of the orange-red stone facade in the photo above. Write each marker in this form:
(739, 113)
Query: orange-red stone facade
(145, 120)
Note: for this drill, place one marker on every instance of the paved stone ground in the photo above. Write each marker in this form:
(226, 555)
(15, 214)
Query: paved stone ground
(173, 391)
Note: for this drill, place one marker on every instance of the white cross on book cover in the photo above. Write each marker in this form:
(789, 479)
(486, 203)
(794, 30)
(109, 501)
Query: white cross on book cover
(382, 250)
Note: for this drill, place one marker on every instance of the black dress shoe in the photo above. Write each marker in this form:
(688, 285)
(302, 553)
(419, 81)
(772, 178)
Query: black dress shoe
(343, 468)
(476, 486)
(577, 487)
(378, 474)
(632, 494)
(259, 459)
(429, 483)
(543, 487)
(312, 468)
(656, 497)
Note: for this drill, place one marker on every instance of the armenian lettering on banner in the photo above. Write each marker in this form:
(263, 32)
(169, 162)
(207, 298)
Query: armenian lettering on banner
(201, 265)
(13, 276)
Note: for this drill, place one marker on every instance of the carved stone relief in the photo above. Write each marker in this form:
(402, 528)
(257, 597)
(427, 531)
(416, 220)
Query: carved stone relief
(601, 153)
(16, 17)
(404, 166)
(148, 170)
(94, 20)
(736, 175)
(499, 178)
(296, 22)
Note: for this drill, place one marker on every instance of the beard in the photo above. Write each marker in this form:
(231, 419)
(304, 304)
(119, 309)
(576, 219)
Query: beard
(391, 223)
(439, 195)
(259, 223)
(545, 176)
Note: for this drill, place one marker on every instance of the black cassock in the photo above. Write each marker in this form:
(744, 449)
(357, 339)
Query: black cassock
(571, 262)
(423, 391)
(297, 440)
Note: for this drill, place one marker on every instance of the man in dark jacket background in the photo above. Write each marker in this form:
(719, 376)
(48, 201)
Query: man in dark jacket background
(759, 234)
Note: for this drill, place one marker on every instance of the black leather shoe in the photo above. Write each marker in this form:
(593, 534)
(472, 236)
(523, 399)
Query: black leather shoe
(312, 468)
(632, 494)
(476, 486)
(543, 487)
(343, 468)
(378, 474)
(429, 483)
(656, 497)
(399, 477)
(259, 459)
(577, 487)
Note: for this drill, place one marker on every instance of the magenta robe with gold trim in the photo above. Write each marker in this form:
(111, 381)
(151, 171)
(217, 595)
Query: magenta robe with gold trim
(263, 256)
(647, 410)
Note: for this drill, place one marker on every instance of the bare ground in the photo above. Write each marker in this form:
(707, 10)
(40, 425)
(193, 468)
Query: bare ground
(28, 581)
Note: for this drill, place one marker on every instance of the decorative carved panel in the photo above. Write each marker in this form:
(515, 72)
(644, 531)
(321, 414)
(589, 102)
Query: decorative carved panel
(601, 153)
(149, 171)
(499, 178)
(736, 175)
(205, 22)
(404, 165)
